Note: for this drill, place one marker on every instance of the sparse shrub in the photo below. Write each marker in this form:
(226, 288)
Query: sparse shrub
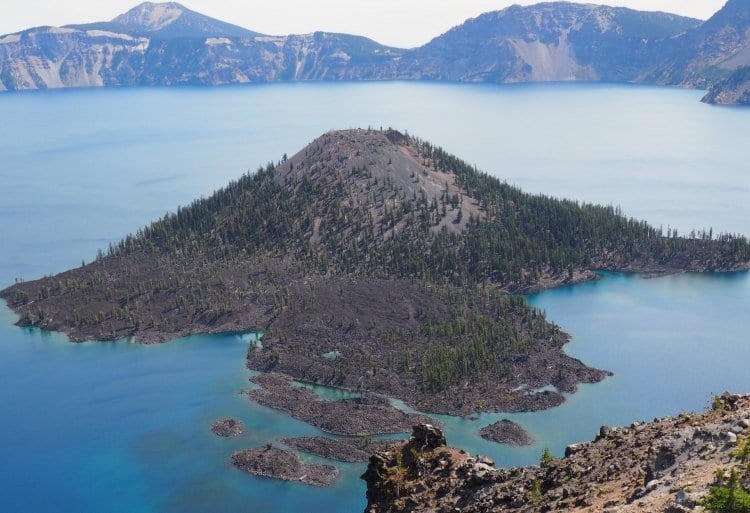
(535, 494)
(727, 496)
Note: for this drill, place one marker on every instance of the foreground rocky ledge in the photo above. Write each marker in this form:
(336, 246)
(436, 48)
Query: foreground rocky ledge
(279, 464)
(664, 466)
(363, 416)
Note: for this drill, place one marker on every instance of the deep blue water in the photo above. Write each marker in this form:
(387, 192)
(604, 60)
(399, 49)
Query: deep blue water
(113, 427)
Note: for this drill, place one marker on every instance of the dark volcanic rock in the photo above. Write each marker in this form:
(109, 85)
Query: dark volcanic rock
(349, 450)
(506, 432)
(227, 427)
(427, 436)
(352, 417)
(279, 464)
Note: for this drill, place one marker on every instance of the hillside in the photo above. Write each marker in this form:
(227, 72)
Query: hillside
(371, 260)
(733, 90)
(168, 44)
(671, 465)
(708, 53)
(547, 42)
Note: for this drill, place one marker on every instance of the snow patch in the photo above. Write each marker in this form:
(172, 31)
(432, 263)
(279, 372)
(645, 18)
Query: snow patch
(13, 38)
(111, 35)
(59, 30)
(218, 41)
(341, 55)
(270, 39)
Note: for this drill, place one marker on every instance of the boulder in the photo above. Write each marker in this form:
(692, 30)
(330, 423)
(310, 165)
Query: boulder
(428, 436)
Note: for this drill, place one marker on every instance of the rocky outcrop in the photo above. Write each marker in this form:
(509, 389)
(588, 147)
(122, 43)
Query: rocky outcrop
(666, 465)
(734, 90)
(276, 463)
(227, 427)
(506, 432)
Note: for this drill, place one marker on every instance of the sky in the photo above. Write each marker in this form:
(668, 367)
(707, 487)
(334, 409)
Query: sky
(402, 23)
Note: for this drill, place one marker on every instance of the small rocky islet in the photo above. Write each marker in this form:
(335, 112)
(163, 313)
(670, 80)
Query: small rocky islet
(227, 427)
(506, 432)
(276, 463)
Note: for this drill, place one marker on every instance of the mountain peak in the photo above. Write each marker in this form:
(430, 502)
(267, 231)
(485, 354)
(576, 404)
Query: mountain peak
(151, 16)
(170, 20)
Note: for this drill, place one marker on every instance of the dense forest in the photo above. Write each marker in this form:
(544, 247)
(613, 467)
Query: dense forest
(310, 250)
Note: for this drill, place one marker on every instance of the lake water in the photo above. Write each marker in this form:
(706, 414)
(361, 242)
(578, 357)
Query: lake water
(119, 427)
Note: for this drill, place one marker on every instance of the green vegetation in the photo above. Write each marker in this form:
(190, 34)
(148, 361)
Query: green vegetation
(727, 495)
(743, 449)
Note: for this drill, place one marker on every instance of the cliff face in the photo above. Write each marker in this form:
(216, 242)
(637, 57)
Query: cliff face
(168, 44)
(668, 465)
(67, 57)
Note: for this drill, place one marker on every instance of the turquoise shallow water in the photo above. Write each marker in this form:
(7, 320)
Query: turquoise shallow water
(122, 427)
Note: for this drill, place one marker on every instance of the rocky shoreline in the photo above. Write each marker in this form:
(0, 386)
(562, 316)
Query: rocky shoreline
(665, 466)
(506, 432)
(276, 463)
(347, 450)
(368, 415)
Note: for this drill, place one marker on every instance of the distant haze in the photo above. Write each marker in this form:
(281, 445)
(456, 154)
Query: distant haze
(402, 23)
